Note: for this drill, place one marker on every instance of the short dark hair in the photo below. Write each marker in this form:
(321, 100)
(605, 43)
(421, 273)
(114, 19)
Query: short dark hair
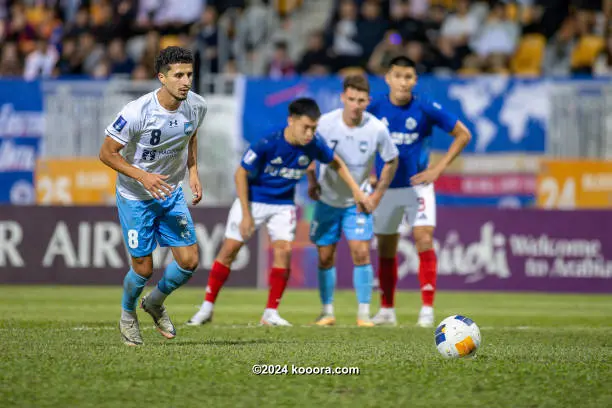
(172, 55)
(305, 107)
(358, 82)
(402, 61)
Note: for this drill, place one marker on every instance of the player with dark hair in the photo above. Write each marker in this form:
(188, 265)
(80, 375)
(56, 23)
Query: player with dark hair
(356, 136)
(265, 184)
(151, 144)
(410, 119)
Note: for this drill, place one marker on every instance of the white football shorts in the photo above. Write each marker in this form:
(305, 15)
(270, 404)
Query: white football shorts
(400, 209)
(279, 219)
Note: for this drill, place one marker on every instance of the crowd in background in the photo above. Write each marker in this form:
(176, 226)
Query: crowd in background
(101, 38)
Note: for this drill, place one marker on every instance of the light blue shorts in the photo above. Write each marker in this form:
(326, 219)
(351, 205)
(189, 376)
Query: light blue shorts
(147, 223)
(328, 223)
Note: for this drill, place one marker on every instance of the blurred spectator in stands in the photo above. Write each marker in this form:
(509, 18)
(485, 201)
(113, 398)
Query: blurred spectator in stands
(603, 63)
(141, 73)
(69, 62)
(432, 25)
(175, 16)
(10, 63)
(41, 61)
(315, 60)
(498, 35)
(558, 52)
(90, 52)
(124, 14)
(20, 30)
(409, 27)
(120, 62)
(102, 70)
(389, 48)
(206, 32)
(371, 28)
(458, 28)
(416, 52)
(80, 23)
(345, 46)
(281, 65)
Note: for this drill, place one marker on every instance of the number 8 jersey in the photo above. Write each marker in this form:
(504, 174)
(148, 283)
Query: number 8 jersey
(155, 139)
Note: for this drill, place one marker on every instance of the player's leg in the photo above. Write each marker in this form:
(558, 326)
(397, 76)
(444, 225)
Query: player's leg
(223, 262)
(387, 220)
(137, 223)
(422, 217)
(357, 228)
(281, 227)
(325, 231)
(175, 229)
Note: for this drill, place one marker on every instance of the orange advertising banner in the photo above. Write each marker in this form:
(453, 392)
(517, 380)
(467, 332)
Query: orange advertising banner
(78, 181)
(574, 184)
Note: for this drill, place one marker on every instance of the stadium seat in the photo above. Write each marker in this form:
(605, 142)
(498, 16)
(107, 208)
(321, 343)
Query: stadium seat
(586, 51)
(528, 57)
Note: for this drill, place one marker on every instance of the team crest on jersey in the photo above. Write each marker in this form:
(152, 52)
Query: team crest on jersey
(303, 161)
(363, 146)
(189, 127)
(119, 124)
(411, 123)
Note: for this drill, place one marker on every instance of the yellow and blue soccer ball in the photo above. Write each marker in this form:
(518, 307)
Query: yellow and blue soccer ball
(457, 336)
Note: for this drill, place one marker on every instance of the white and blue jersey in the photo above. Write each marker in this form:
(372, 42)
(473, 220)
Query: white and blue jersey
(275, 167)
(410, 127)
(155, 140)
(357, 146)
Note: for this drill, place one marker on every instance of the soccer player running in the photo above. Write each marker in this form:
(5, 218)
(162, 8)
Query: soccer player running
(410, 119)
(150, 144)
(265, 185)
(356, 136)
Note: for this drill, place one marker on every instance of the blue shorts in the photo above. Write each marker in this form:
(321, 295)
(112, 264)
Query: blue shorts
(328, 223)
(147, 223)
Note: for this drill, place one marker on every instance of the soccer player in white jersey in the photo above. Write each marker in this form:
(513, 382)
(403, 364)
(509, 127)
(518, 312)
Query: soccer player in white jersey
(410, 118)
(356, 137)
(265, 184)
(150, 144)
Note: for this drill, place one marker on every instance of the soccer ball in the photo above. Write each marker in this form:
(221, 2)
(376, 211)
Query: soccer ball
(457, 336)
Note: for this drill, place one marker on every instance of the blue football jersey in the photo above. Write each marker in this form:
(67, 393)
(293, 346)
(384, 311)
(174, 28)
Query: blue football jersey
(275, 167)
(410, 127)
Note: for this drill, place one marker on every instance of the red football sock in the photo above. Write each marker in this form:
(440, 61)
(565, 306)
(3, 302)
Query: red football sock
(387, 278)
(427, 276)
(216, 279)
(278, 282)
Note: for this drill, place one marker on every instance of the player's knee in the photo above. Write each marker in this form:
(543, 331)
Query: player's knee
(326, 261)
(190, 263)
(143, 265)
(423, 240)
(282, 252)
(361, 256)
(229, 251)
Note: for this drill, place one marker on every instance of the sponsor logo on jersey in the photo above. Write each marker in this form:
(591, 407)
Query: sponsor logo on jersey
(119, 124)
(189, 127)
(285, 172)
(278, 160)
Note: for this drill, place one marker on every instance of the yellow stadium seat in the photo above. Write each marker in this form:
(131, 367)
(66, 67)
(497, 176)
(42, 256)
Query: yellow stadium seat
(586, 51)
(527, 59)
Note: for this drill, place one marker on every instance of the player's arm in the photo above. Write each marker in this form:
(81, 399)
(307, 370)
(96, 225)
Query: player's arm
(314, 188)
(192, 166)
(389, 153)
(154, 183)
(252, 161)
(340, 167)
(455, 128)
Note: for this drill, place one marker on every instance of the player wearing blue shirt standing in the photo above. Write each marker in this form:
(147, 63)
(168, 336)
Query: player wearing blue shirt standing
(410, 119)
(265, 184)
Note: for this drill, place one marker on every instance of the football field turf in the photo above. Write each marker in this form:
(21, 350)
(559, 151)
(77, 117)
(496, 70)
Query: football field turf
(60, 347)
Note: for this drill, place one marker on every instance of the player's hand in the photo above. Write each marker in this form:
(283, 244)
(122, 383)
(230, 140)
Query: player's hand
(155, 184)
(364, 203)
(425, 177)
(196, 188)
(314, 191)
(247, 227)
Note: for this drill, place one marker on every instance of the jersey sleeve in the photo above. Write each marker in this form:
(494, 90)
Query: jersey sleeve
(440, 117)
(321, 151)
(386, 148)
(202, 110)
(255, 156)
(126, 125)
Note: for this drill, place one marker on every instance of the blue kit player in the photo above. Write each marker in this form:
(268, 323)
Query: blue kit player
(356, 137)
(151, 144)
(410, 201)
(265, 185)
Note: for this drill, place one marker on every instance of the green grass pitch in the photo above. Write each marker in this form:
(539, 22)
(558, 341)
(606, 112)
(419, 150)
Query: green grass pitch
(60, 347)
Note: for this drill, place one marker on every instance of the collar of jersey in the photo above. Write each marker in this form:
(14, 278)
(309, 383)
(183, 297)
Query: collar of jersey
(160, 105)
